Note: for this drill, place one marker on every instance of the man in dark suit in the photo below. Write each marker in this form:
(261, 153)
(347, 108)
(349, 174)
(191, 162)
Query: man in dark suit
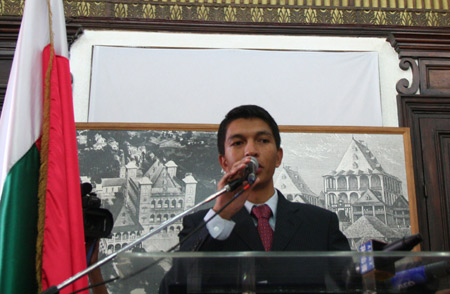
(247, 133)
(250, 131)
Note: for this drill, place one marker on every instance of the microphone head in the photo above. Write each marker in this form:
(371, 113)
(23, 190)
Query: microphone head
(255, 162)
(251, 168)
(404, 244)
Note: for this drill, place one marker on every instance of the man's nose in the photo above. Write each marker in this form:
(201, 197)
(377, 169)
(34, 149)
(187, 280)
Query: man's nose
(250, 149)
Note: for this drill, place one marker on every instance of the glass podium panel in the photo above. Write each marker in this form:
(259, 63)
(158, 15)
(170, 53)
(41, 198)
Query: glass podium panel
(279, 272)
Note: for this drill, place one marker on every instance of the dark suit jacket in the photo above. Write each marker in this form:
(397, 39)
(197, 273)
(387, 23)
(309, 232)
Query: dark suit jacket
(298, 227)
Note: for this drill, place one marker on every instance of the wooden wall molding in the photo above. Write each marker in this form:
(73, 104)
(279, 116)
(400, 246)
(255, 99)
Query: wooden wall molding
(421, 44)
(239, 12)
(390, 13)
(428, 56)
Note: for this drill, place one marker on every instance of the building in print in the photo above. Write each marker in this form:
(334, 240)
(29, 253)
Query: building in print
(360, 187)
(126, 227)
(400, 209)
(370, 227)
(140, 201)
(294, 188)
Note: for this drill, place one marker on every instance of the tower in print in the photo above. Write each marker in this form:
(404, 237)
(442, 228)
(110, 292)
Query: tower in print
(142, 201)
(360, 191)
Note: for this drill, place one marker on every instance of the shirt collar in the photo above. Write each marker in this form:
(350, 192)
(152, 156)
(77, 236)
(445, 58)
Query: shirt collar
(272, 202)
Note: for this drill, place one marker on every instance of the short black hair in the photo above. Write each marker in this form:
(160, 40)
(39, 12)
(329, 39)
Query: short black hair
(247, 112)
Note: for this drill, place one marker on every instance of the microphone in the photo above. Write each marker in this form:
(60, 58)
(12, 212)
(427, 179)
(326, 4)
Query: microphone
(419, 275)
(249, 175)
(250, 170)
(384, 268)
(404, 244)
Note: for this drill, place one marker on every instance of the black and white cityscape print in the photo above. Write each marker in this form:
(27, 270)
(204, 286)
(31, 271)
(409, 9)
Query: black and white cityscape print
(147, 177)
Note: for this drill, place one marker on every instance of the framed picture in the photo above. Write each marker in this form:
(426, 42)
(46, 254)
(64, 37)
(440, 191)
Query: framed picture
(146, 174)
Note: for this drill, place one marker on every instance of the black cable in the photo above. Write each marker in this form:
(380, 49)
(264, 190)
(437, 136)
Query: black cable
(202, 225)
(96, 285)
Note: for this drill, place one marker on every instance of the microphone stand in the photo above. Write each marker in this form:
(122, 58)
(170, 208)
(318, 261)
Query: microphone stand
(228, 188)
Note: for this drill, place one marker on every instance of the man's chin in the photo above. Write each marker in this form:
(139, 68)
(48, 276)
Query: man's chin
(261, 184)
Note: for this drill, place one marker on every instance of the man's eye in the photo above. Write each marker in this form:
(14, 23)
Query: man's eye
(236, 143)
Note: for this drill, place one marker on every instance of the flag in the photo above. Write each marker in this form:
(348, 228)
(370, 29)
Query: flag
(41, 237)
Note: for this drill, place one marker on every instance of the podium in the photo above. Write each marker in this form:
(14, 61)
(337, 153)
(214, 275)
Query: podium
(280, 272)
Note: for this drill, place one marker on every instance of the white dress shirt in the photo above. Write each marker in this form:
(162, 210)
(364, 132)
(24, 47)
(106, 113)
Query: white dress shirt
(220, 228)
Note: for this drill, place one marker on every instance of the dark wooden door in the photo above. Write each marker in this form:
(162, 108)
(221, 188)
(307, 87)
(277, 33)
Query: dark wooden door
(429, 119)
(435, 140)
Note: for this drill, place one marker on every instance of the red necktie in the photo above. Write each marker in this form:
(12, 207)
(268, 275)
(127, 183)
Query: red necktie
(263, 213)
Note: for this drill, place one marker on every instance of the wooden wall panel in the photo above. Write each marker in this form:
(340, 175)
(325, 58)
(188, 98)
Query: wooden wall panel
(435, 76)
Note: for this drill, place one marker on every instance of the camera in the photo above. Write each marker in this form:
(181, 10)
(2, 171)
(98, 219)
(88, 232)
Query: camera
(98, 222)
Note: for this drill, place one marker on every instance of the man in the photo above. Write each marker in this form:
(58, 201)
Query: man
(250, 131)
(247, 133)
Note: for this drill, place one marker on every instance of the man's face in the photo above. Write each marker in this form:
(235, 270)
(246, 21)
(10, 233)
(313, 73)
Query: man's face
(252, 137)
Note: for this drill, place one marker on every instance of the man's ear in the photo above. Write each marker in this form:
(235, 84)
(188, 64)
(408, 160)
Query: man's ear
(279, 156)
(223, 162)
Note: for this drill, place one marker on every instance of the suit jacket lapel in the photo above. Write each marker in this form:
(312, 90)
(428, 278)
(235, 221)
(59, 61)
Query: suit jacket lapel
(287, 224)
(246, 230)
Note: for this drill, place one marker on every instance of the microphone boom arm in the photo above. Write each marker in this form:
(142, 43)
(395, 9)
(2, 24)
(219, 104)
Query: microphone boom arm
(228, 188)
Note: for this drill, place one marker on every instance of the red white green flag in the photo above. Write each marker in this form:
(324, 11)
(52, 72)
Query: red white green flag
(41, 222)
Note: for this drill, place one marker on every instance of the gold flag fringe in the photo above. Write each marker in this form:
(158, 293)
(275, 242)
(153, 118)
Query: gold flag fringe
(44, 157)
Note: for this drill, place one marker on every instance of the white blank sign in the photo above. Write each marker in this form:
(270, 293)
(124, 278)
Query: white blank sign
(165, 85)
